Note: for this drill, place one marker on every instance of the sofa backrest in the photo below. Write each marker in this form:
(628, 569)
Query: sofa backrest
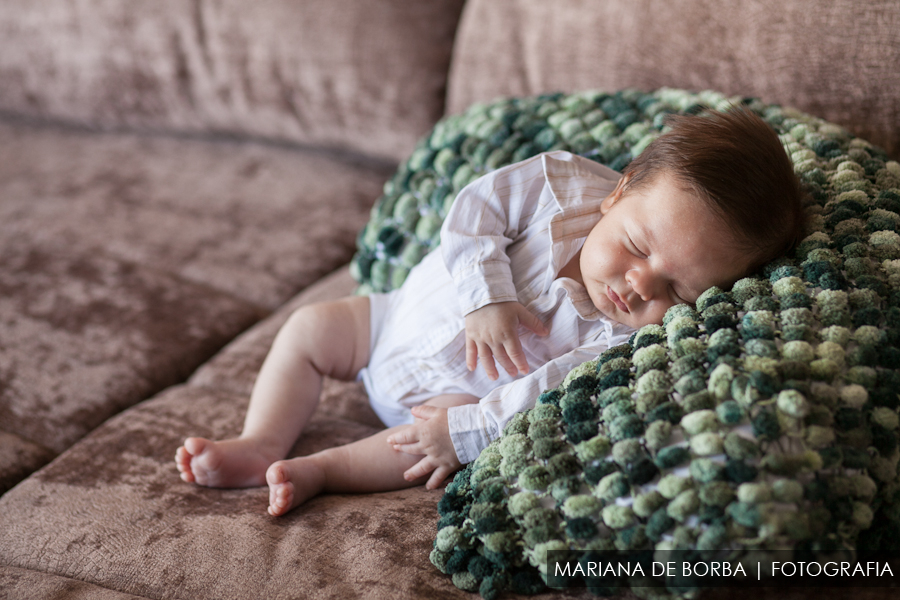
(364, 75)
(838, 60)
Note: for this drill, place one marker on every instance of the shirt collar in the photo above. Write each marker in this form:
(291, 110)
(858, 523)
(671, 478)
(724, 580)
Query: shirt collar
(578, 185)
(570, 175)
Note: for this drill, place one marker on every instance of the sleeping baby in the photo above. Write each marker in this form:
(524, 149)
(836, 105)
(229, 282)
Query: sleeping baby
(542, 266)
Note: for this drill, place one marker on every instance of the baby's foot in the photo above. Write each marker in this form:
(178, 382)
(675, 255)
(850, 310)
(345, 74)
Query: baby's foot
(293, 482)
(233, 463)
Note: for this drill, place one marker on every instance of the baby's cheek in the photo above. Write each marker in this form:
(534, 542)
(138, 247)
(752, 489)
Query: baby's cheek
(655, 315)
(595, 254)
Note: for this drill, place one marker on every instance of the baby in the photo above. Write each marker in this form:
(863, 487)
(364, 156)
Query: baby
(543, 265)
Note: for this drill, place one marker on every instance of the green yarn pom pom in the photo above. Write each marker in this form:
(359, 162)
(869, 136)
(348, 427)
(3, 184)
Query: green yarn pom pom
(522, 502)
(684, 505)
(580, 506)
(515, 444)
(716, 493)
(671, 485)
(618, 517)
(648, 358)
(534, 478)
(671, 457)
(543, 411)
(699, 422)
(543, 428)
(729, 412)
(612, 486)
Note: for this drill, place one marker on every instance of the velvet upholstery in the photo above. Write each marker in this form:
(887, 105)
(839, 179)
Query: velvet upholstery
(126, 261)
(115, 514)
(22, 583)
(19, 458)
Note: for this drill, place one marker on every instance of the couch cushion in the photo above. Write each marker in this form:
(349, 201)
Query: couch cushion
(127, 261)
(86, 335)
(836, 60)
(23, 584)
(257, 222)
(115, 514)
(18, 458)
(111, 512)
(367, 75)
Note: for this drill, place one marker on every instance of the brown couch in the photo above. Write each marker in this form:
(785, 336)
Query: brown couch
(176, 177)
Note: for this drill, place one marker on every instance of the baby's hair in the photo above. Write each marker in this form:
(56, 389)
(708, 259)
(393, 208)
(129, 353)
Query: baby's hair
(736, 164)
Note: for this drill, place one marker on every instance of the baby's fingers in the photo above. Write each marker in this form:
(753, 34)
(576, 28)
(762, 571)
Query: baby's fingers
(516, 357)
(420, 469)
(438, 477)
(503, 359)
(409, 448)
(530, 321)
(487, 361)
(406, 435)
(471, 354)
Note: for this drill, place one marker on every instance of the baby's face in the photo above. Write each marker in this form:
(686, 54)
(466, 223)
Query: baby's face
(656, 246)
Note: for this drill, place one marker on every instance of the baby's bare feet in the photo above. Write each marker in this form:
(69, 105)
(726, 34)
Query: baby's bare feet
(236, 463)
(293, 482)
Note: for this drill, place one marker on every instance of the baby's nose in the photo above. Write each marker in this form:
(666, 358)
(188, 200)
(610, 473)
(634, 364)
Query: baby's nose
(642, 283)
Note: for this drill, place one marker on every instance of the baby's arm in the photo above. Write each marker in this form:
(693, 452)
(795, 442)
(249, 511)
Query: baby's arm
(491, 334)
(487, 216)
(474, 426)
(429, 435)
(452, 437)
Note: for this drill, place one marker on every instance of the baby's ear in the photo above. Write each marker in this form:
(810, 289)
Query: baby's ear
(615, 195)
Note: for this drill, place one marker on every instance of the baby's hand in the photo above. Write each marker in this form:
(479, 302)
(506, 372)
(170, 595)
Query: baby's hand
(491, 334)
(429, 436)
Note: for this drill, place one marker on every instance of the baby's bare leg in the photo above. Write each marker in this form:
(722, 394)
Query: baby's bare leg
(367, 465)
(330, 339)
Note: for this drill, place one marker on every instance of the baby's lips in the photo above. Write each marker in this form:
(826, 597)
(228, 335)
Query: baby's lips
(617, 300)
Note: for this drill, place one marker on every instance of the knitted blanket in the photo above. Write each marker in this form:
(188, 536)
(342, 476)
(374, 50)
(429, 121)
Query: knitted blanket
(764, 419)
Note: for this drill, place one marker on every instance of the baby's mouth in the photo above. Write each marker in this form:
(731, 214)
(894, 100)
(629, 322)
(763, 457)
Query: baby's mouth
(616, 299)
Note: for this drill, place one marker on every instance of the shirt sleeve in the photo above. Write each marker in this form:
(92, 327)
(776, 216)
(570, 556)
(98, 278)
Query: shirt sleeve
(473, 426)
(487, 216)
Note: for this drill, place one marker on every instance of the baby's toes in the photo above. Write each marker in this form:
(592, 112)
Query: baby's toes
(195, 446)
(183, 464)
(281, 497)
(281, 490)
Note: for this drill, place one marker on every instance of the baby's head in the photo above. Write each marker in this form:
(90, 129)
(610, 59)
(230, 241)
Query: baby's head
(708, 202)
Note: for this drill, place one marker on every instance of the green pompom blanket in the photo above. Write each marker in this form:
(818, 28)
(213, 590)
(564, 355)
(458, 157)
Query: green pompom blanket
(767, 418)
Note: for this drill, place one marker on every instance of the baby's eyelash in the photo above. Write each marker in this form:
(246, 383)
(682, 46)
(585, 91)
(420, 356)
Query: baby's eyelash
(635, 248)
(679, 299)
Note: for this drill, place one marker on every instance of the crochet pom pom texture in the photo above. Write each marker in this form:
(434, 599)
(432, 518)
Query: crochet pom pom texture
(764, 418)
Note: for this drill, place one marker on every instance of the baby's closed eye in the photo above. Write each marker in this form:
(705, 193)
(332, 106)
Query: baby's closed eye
(635, 250)
(678, 298)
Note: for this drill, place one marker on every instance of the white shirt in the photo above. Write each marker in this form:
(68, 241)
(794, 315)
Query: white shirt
(496, 242)
(506, 238)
